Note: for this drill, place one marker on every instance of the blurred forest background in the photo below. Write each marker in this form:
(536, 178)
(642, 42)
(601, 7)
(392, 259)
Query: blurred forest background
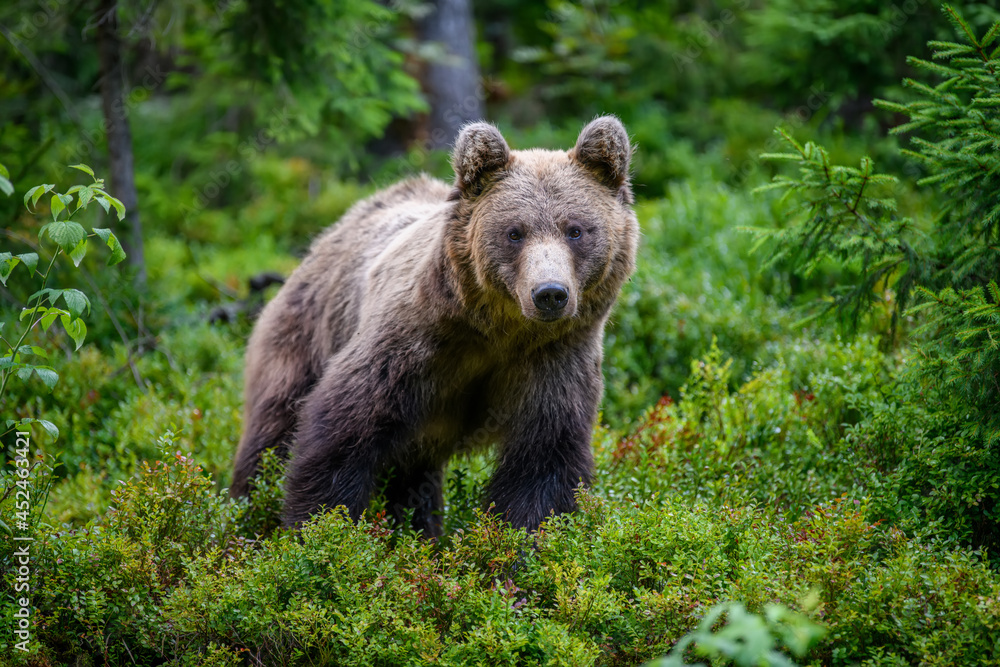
(234, 131)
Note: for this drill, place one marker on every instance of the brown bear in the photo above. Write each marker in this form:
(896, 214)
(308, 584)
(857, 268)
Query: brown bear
(430, 313)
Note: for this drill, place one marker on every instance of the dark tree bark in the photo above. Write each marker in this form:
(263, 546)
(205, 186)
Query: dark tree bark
(118, 132)
(452, 86)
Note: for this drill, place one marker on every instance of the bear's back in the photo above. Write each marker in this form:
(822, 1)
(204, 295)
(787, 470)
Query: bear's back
(341, 258)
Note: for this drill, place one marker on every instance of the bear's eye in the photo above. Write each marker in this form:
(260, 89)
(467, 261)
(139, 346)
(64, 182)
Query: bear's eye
(574, 232)
(514, 235)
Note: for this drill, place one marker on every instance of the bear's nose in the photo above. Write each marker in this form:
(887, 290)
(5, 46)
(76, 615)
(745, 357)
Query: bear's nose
(550, 298)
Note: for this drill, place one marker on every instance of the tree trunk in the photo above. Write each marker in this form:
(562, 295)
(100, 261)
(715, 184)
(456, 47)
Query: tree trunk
(118, 133)
(452, 86)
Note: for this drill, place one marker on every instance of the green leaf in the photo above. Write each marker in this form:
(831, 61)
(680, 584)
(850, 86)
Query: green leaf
(52, 294)
(76, 329)
(84, 168)
(79, 252)
(30, 260)
(76, 302)
(6, 186)
(990, 35)
(47, 375)
(4, 172)
(66, 233)
(50, 316)
(117, 252)
(7, 264)
(119, 207)
(49, 427)
(35, 193)
(24, 372)
(84, 197)
(104, 204)
(779, 156)
(57, 206)
(31, 311)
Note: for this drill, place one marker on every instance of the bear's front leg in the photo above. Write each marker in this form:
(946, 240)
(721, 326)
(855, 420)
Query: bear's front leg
(548, 405)
(417, 487)
(362, 410)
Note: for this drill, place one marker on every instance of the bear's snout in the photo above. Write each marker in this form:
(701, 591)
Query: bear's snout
(550, 299)
(546, 287)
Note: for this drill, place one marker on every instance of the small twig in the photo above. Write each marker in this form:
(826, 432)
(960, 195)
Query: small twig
(141, 25)
(208, 280)
(5, 376)
(861, 190)
(43, 74)
(972, 38)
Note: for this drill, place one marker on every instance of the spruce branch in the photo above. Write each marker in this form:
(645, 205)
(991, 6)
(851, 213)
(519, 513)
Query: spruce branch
(953, 270)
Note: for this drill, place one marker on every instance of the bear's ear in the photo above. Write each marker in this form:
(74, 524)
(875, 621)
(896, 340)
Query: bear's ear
(480, 150)
(603, 149)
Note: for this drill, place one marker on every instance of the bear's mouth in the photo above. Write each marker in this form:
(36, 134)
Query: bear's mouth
(532, 313)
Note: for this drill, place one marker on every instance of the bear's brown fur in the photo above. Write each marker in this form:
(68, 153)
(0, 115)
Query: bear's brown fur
(431, 317)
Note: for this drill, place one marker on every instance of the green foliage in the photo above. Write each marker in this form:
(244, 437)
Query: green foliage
(109, 424)
(5, 185)
(748, 639)
(933, 477)
(776, 442)
(582, 59)
(960, 119)
(852, 50)
(173, 511)
(695, 280)
(262, 515)
(963, 350)
(954, 424)
(334, 58)
(164, 577)
(300, 70)
(27, 483)
(842, 219)
(69, 238)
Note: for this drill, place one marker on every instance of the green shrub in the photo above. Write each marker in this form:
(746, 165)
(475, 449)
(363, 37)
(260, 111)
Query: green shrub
(68, 238)
(695, 280)
(99, 587)
(164, 578)
(776, 442)
(109, 423)
(933, 477)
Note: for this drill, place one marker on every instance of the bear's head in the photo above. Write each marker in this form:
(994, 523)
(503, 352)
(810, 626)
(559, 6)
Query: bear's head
(546, 235)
